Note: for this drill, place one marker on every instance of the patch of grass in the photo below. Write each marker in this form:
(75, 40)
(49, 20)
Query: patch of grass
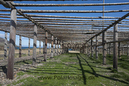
(20, 73)
(115, 76)
(73, 70)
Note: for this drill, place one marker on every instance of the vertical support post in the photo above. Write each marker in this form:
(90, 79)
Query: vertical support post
(104, 47)
(119, 53)
(29, 48)
(115, 49)
(5, 46)
(109, 48)
(45, 50)
(39, 47)
(20, 41)
(12, 44)
(62, 47)
(122, 50)
(55, 46)
(52, 46)
(34, 44)
(92, 48)
(96, 49)
(127, 50)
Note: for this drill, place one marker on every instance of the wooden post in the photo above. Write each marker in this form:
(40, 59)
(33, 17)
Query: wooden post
(29, 48)
(52, 46)
(45, 50)
(104, 47)
(5, 46)
(127, 50)
(39, 47)
(122, 50)
(115, 48)
(12, 44)
(109, 48)
(96, 49)
(92, 48)
(34, 44)
(55, 46)
(20, 44)
(119, 53)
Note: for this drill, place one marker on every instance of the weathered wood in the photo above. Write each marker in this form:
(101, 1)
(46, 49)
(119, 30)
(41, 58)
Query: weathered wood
(45, 50)
(39, 47)
(29, 47)
(96, 49)
(127, 50)
(91, 48)
(52, 46)
(55, 46)
(72, 11)
(119, 50)
(115, 48)
(11, 55)
(20, 44)
(5, 46)
(96, 4)
(104, 47)
(34, 44)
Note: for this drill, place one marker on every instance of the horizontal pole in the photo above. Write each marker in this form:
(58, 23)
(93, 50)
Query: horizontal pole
(98, 4)
(71, 11)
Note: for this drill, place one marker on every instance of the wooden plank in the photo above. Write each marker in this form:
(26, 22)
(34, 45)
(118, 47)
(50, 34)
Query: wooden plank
(11, 55)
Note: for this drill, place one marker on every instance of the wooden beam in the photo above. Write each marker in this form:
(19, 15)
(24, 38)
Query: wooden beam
(11, 55)
(72, 11)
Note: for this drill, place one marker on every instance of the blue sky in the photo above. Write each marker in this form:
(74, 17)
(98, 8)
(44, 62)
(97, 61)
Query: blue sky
(120, 7)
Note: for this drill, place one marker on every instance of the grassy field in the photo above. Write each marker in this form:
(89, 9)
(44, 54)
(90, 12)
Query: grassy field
(75, 70)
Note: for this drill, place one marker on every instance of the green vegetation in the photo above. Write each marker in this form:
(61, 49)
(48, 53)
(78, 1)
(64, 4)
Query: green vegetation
(76, 70)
